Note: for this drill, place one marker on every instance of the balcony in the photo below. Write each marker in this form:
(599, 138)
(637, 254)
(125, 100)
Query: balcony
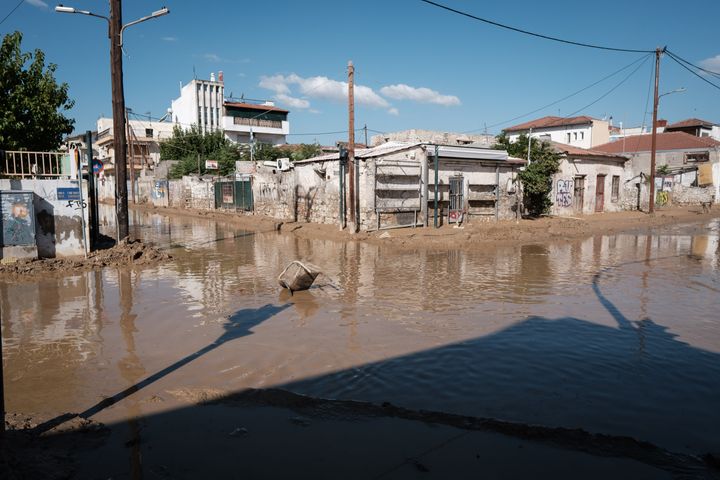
(241, 124)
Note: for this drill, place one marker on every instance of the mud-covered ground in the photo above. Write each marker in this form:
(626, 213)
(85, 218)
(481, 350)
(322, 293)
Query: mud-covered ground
(127, 253)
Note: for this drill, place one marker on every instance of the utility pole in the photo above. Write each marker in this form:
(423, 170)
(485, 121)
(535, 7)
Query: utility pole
(529, 144)
(653, 148)
(118, 105)
(351, 145)
(365, 128)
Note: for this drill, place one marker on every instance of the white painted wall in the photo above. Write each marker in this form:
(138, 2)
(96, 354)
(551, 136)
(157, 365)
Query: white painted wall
(58, 231)
(579, 135)
(564, 183)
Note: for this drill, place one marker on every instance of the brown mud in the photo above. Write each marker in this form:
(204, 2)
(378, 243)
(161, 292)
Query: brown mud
(127, 253)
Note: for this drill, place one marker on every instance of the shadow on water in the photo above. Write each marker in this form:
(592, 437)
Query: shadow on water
(636, 381)
(238, 325)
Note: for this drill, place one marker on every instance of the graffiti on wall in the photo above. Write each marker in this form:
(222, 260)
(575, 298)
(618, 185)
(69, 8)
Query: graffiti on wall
(159, 189)
(18, 220)
(564, 194)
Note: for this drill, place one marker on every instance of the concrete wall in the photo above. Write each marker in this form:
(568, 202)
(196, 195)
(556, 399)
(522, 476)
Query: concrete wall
(564, 186)
(640, 162)
(58, 231)
(274, 193)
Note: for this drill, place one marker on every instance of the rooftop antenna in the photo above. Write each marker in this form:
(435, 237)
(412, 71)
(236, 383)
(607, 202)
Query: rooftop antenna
(194, 74)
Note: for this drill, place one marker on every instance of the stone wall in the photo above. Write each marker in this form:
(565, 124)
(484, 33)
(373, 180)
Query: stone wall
(683, 195)
(274, 193)
(58, 220)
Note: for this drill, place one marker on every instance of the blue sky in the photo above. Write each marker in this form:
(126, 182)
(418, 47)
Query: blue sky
(420, 67)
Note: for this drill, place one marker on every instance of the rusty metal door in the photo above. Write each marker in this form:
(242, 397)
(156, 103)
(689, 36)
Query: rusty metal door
(600, 193)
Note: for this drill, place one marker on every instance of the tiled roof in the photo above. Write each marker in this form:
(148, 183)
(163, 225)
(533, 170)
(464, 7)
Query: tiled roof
(690, 122)
(255, 106)
(585, 152)
(551, 121)
(665, 141)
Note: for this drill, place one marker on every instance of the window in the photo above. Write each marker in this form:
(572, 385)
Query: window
(615, 194)
(568, 137)
(575, 135)
(149, 132)
(695, 157)
(582, 135)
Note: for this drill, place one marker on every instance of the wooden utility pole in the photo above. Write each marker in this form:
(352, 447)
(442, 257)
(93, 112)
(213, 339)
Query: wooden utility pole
(351, 145)
(653, 148)
(118, 106)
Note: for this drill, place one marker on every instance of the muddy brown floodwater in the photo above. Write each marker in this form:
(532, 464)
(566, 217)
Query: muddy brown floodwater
(616, 334)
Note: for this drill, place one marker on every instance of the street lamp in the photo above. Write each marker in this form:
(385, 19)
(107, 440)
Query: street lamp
(115, 33)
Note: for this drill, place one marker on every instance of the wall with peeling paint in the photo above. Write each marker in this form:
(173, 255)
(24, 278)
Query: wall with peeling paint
(58, 221)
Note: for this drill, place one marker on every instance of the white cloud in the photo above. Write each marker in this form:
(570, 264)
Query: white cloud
(421, 94)
(393, 111)
(276, 83)
(292, 101)
(37, 3)
(312, 110)
(712, 63)
(322, 88)
(170, 39)
(215, 58)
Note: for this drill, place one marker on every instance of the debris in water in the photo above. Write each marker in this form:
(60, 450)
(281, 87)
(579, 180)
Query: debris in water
(298, 276)
(239, 432)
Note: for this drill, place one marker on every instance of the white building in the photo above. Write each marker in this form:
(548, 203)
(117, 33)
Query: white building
(696, 127)
(203, 103)
(583, 131)
(143, 140)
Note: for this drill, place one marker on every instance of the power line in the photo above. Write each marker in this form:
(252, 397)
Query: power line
(12, 11)
(604, 94)
(539, 35)
(562, 99)
(714, 74)
(692, 71)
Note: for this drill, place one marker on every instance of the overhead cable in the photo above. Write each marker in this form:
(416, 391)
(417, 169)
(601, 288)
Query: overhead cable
(563, 98)
(539, 35)
(692, 71)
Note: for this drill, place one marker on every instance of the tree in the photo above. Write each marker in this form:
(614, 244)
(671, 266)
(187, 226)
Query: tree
(31, 101)
(536, 178)
(192, 147)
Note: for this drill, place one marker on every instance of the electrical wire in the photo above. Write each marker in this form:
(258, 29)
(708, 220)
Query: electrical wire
(692, 71)
(539, 35)
(12, 11)
(556, 122)
(678, 57)
(560, 100)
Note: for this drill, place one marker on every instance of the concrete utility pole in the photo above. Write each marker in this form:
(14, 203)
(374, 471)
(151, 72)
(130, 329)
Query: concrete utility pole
(653, 148)
(351, 144)
(131, 156)
(118, 107)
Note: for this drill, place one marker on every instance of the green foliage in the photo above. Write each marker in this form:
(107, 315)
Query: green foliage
(192, 147)
(537, 177)
(663, 170)
(31, 101)
(187, 145)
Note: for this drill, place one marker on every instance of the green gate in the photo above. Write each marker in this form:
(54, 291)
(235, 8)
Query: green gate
(234, 195)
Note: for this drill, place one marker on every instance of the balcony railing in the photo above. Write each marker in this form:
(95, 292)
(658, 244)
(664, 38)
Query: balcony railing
(16, 164)
(256, 122)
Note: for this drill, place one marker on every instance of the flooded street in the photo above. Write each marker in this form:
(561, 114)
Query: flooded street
(615, 334)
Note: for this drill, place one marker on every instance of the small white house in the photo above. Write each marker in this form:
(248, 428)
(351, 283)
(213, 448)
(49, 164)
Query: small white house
(588, 181)
(583, 131)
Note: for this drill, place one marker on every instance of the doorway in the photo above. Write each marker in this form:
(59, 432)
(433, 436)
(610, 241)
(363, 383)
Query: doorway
(579, 194)
(600, 194)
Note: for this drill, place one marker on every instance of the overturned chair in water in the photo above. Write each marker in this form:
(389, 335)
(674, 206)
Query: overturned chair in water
(298, 276)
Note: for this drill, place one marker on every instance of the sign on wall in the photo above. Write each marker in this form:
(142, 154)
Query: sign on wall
(211, 164)
(68, 193)
(18, 218)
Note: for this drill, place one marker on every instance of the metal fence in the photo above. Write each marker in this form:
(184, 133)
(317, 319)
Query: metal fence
(234, 194)
(18, 164)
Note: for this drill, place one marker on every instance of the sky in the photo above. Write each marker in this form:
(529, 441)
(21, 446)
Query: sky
(416, 66)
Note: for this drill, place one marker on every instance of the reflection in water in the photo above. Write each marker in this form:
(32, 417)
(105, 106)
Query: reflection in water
(611, 333)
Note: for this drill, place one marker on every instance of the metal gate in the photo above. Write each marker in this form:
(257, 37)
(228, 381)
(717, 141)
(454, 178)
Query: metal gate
(234, 195)
(456, 199)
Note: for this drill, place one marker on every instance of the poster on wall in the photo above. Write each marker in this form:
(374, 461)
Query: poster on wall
(18, 218)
